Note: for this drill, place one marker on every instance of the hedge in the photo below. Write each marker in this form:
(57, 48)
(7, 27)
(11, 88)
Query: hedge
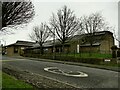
(68, 58)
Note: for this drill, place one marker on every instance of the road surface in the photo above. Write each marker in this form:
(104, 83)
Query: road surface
(97, 78)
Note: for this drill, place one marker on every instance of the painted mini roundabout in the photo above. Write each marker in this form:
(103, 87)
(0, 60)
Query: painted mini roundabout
(56, 70)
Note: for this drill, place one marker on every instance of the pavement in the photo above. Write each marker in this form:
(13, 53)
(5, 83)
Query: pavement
(113, 68)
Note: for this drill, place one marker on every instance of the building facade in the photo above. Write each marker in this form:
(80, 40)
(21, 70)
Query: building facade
(17, 48)
(101, 43)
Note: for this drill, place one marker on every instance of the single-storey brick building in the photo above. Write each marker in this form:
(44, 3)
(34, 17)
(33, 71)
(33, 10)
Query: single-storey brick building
(102, 43)
(17, 48)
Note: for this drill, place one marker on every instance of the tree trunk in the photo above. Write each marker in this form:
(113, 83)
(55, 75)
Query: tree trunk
(63, 48)
(90, 50)
(41, 49)
(91, 39)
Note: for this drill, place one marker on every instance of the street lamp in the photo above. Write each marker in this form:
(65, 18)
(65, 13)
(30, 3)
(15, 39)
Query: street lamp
(53, 34)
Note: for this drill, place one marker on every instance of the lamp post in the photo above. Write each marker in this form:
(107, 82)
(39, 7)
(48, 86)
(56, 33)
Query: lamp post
(53, 34)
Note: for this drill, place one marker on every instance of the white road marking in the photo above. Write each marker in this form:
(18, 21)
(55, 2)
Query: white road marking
(58, 71)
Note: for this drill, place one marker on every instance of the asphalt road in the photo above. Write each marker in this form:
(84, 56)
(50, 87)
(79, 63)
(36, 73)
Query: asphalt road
(97, 78)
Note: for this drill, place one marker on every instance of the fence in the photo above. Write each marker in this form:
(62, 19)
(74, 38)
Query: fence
(81, 57)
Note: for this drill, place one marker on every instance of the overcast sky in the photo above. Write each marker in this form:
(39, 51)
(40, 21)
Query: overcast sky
(44, 10)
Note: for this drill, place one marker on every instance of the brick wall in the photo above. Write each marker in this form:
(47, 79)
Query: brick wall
(10, 51)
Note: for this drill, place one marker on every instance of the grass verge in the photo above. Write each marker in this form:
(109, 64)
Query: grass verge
(11, 82)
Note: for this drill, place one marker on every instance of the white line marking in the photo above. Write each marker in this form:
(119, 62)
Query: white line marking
(71, 73)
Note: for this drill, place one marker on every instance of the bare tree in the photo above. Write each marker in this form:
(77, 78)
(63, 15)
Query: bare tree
(40, 35)
(16, 13)
(65, 24)
(92, 24)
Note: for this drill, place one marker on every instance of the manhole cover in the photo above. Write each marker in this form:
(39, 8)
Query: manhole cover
(70, 73)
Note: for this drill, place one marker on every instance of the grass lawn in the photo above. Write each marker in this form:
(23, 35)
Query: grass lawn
(11, 82)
